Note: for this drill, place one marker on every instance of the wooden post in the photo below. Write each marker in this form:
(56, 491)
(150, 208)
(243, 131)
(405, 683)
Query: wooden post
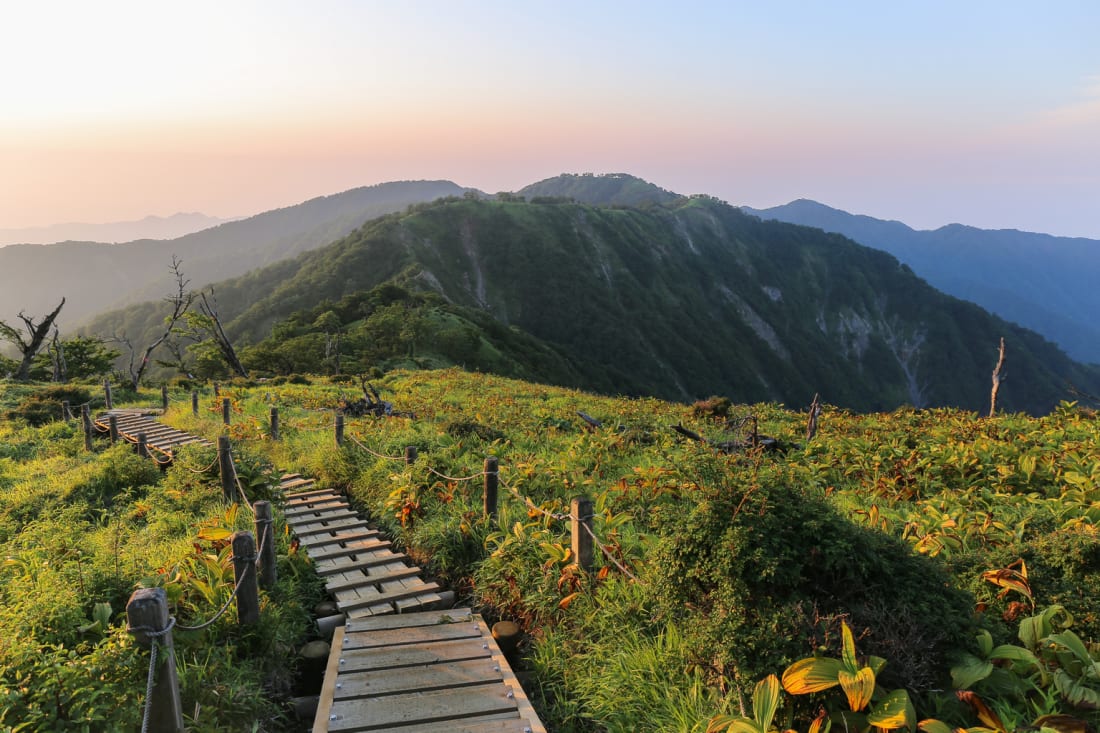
(143, 445)
(339, 429)
(811, 422)
(112, 422)
(274, 423)
(225, 467)
(107, 394)
(86, 421)
(244, 566)
(410, 455)
(266, 532)
(217, 393)
(225, 410)
(164, 398)
(66, 411)
(491, 480)
(194, 403)
(997, 380)
(580, 511)
(147, 610)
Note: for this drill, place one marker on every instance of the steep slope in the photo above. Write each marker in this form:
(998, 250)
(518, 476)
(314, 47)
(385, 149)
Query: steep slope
(95, 276)
(682, 301)
(1045, 283)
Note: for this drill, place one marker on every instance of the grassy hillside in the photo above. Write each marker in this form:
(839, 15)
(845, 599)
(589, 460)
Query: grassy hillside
(678, 301)
(920, 530)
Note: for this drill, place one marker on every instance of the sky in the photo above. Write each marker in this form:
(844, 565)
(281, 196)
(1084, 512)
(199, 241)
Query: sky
(929, 112)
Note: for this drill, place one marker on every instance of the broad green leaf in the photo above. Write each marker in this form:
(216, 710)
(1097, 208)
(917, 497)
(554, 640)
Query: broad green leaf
(858, 687)
(931, 725)
(893, 711)
(1073, 642)
(1013, 653)
(813, 674)
(985, 643)
(848, 649)
(1076, 693)
(765, 701)
(969, 671)
(876, 664)
(743, 725)
(1059, 723)
(101, 613)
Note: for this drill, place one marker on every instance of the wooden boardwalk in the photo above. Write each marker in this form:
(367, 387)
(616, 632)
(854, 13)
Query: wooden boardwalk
(402, 662)
(159, 437)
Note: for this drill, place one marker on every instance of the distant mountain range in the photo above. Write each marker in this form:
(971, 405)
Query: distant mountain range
(151, 227)
(671, 296)
(95, 276)
(1048, 284)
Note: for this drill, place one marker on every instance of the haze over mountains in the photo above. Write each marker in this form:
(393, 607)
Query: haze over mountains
(1048, 284)
(151, 227)
(635, 291)
(96, 276)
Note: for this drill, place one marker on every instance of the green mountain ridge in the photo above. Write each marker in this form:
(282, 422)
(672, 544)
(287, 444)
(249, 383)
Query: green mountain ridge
(680, 300)
(1043, 282)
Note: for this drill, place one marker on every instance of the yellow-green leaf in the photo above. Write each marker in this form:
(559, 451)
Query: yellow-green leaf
(858, 687)
(893, 711)
(765, 701)
(848, 649)
(813, 674)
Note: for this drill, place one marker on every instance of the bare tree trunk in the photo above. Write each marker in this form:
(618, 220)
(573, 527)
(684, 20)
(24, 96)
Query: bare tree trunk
(225, 346)
(37, 333)
(60, 368)
(180, 302)
(997, 377)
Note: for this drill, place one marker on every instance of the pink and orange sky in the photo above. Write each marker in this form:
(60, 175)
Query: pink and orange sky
(985, 113)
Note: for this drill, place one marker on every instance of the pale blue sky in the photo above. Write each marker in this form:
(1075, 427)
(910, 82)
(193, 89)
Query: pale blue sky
(985, 113)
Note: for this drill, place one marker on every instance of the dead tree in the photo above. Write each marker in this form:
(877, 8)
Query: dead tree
(212, 324)
(181, 302)
(997, 377)
(36, 336)
(811, 421)
(57, 358)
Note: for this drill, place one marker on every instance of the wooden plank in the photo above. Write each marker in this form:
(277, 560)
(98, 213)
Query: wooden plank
(523, 703)
(365, 580)
(320, 529)
(321, 540)
(409, 620)
(412, 655)
(355, 547)
(343, 565)
(418, 707)
(499, 723)
(413, 679)
(328, 686)
(414, 635)
(361, 598)
(303, 497)
(322, 516)
(315, 507)
(286, 485)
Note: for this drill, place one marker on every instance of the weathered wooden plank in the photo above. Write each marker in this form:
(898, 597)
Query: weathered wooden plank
(499, 723)
(343, 565)
(311, 507)
(296, 483)
(412, 655)
(303, 497)
(328, 686)
(368, 597)
(464, 673)
(418, 707)
(316, 516)
(320, 540)
(414, 635)
(410, 620)
(359, 580)
(350, 549)
(523, 704)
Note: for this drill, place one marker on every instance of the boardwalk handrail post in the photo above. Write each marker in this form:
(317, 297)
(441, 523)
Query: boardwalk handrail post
(143, 445)
(410, 455)
(146, 614)
(274, 423)
(112, 422)
(164, 397)
(217, 392)
(66, 411)
(225, 468)
(244, 575)
(107, 394)
(491, 481)
(266, 532)
(580, 514)
(225, 410)
(86, 422)
(195, 403)
(339, 424)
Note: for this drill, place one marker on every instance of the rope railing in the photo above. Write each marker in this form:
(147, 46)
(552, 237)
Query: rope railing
(375, 453)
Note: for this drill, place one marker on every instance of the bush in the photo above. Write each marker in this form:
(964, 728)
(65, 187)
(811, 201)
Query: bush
(44, 405)
(770, 571)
